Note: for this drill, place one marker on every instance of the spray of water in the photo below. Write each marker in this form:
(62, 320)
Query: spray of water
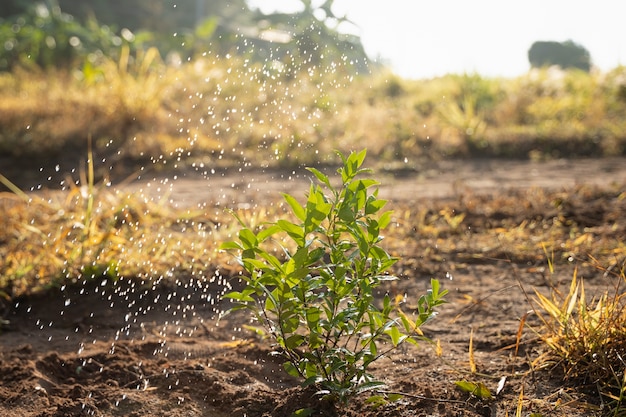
(243, 134)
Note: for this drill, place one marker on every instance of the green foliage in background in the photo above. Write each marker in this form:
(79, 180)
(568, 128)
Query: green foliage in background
(65, 33)
(564, 54)
(44, 36)
(283, 102)
(311, 284)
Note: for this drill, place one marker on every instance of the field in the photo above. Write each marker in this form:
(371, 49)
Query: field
(111, 275)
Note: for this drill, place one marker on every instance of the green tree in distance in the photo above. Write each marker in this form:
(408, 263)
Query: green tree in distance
(63, 32)
(564, 54)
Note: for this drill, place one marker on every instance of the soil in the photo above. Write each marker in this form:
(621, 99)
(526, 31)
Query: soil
(130, 350)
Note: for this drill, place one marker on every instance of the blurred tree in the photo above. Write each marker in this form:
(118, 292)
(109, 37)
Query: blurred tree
(154, 15)
(44, 36)
(564, 54)
(184, 28)
(314, 36)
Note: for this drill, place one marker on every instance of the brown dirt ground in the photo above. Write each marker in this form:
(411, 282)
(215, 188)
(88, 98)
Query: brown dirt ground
(126, 350)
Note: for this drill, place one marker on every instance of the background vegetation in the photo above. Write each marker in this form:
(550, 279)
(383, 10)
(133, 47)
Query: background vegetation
(212, 93)
(228, 110)
(564, 54)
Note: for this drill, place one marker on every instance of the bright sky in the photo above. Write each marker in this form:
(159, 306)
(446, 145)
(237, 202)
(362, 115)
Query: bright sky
(426, 38)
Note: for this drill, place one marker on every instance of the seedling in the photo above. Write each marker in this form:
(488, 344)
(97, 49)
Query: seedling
(477, 389)
(317, 300)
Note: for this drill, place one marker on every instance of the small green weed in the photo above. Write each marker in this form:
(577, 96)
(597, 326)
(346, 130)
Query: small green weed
(317, 302)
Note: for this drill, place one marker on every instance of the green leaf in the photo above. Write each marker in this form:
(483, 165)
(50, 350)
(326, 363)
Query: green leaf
(301, 257)
(316, 210)
(238, 296)
(409, 326)
(476, 389)
(373, 350)
(230, 246)
(267, 232)
(255, 263)
(294, 278)
(269, 304)
(313, 317)
(395, 397)
(312, 380)
(346, 170)
(364, 184)
(370, 386)
(298, 210)
(303, 412)
(376, 400)
(411, 341)
(248, 239)
(273, 261)
(434, 284)
(311, 371)
(290, 324)
(314, 341)
(360, 157)
(352, 164)
(315, 255)
(296, 232)
(384, 220)
(248, 254)
(386, 304)
(294, 341)
(291, 369)
(435, 294)
(347, 213)
(320, 176)
(396, 336)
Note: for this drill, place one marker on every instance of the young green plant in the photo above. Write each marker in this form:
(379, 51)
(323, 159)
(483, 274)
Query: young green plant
(317, 300)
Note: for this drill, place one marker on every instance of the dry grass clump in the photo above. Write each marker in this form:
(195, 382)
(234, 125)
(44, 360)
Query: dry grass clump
(586, 336)
(89, 232)
(58, 109)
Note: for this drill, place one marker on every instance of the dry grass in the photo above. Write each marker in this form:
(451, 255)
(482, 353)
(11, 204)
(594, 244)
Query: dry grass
(52, 237)
(586, 337)
(89, 233)
(226, 109)
(516, 226)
